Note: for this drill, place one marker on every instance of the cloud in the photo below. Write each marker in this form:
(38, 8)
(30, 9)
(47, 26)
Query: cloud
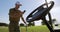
(55, 13)
(57, 2)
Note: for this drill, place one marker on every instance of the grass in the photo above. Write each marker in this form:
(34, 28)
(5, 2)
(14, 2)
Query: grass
(30, 29)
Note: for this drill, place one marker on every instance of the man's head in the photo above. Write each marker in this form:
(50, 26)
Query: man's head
(17, 5)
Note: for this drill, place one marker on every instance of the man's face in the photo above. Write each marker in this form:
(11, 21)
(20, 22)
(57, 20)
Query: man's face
(17, 6)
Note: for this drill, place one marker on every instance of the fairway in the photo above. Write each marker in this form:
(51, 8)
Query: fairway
(30, 29)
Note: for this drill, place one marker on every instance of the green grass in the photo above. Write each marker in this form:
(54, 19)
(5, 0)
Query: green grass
(30, 29)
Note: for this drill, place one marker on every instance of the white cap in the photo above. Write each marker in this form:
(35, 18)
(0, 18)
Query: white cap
(18, 3)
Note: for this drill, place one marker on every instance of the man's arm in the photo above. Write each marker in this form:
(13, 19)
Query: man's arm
(23, 19)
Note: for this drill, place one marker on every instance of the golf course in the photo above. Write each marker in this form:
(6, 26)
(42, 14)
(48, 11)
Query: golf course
(42, 28)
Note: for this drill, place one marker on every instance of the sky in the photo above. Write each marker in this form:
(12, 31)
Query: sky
(29, 6)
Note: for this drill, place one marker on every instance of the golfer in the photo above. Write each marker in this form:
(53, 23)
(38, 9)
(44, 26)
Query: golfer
(14, 17)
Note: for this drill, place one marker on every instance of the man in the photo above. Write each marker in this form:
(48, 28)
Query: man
(14, 18)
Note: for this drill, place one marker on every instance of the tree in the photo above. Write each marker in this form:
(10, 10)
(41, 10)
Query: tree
(31, 23)
(53, 21)
(3, 24)
(43, 23)
(21, 24)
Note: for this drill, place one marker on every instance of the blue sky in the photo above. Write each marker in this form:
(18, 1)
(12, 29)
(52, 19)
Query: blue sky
(29, 6)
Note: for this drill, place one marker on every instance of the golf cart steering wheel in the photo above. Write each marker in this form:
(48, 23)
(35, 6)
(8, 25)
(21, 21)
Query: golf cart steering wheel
(39, 12)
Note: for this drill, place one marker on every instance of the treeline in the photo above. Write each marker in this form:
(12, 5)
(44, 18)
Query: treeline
(30, 24)
(3, 24)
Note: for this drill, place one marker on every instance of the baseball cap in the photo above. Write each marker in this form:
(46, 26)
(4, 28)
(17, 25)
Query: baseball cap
(18, 3)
